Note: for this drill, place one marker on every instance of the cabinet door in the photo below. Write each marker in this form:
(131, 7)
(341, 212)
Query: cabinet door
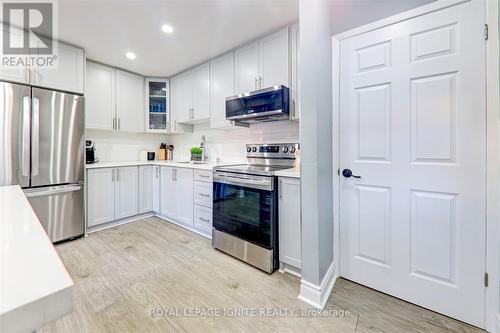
(129, 101)
(100, 196)
(18, 74)
(145, 188)
(182, 96)
(184, 191)
(156, 189)
(68, 75)
(246, 61)
(168, 195)
(290, 222)
(221, 86)
(273, 59)
(201, 92)
(99, 96)
(126, 192)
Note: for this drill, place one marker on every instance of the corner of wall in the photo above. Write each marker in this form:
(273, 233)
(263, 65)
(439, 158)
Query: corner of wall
(315, 295)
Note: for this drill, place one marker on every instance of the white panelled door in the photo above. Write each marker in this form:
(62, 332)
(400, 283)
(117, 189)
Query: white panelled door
(412, 125)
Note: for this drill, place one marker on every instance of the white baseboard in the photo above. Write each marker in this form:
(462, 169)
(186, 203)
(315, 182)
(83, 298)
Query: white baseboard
(284, 268)
(315, 295)
(185, 226)
(112, 224)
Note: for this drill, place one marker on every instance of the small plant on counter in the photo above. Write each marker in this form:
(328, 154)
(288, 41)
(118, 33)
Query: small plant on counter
(196, 153)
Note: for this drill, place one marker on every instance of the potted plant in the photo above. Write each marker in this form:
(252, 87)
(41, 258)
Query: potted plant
(196, 153)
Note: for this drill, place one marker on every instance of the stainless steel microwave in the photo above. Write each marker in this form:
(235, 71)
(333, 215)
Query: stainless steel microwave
(258, 106)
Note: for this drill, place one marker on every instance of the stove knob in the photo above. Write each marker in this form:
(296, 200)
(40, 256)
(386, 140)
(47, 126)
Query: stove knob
(285, 149)
(254, 149)
(249, 149)
(292, 150)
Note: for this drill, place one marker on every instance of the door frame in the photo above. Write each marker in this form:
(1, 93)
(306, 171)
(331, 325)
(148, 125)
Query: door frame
(492, 252)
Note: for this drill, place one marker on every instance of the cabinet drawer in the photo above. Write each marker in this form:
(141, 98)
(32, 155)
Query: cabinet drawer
(203, 175)
(203, 219)
(203, 194)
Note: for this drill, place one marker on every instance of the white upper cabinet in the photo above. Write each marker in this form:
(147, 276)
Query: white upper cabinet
(273, 60)
(157, 98)
(68, 75)
(246, 61)
(222, 86)
(201, 93)
(100, 96)
(19, 74)
(191, 96)
(263, 64)
(129, 102)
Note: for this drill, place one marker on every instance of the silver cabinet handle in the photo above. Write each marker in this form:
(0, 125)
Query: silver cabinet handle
(114, 123)
(204, 176)
(113, 175)
(293, 108)
(204, 194)
(117, 175)
(175, 174)
(260, 82)
(25, 160)
(35, 136)
(119, 123)
(157, 172)
(280, 189)
(204, 220)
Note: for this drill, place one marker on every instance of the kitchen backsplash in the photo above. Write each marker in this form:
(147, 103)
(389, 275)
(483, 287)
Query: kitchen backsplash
(228, 145)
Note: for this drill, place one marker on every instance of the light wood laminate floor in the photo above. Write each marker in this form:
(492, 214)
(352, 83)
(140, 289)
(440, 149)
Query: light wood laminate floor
(122, 273)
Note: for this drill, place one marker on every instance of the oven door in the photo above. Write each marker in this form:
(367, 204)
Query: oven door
(245, 206)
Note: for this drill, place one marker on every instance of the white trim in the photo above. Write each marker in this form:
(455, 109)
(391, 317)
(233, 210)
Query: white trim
(285, 268)
(315, 295)
(185, 226)
(492, 307)
(404, 16)
(112, 224)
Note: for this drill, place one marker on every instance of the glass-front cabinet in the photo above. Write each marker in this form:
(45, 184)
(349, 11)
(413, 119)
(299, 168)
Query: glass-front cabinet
(157, 105)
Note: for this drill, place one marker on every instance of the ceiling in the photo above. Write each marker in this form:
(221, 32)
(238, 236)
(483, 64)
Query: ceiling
(107, 29)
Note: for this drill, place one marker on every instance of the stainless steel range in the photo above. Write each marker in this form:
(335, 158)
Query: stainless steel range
(245, 207)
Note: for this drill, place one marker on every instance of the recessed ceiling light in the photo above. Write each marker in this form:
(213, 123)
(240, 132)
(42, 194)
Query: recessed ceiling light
(130, 55)
(167, 28)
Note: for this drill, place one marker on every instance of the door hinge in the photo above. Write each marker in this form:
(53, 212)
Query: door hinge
(486, 279)
(485, 32)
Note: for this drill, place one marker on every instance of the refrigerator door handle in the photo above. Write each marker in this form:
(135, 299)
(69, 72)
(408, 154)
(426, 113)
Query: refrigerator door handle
(39, 192)
(35, 136)
(25, 150)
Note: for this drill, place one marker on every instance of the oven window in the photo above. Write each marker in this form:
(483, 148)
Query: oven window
(244, 212)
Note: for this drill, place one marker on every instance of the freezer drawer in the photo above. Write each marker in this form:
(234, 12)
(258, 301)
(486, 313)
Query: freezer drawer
(59, 209)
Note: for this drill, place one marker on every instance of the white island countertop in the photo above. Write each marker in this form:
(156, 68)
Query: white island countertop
(35, 288)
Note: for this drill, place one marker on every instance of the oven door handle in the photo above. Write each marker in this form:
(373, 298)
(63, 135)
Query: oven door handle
(261, 184)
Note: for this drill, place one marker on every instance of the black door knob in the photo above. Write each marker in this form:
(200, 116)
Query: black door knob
(347, 173)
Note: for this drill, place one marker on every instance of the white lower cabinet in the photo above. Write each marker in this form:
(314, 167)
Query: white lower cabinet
(290, 247)
(176, 194)
(101, 196)
(112, 194)
(156, 189)
(203, 219)
(146, 185)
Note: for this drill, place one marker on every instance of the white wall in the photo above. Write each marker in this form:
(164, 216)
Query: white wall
(120, 146)
(229, 144)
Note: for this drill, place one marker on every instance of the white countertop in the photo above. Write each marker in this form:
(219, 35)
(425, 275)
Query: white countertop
(177, 164)
(291, 173)
(35, 288)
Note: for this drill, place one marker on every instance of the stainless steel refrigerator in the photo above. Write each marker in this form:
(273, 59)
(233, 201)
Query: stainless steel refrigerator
(42, 150)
